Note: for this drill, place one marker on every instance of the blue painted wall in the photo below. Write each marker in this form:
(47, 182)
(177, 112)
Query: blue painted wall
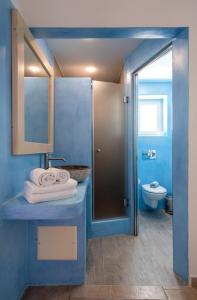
(15, 169)
(180, 152)
(73, 120)
(73, 125)
(161, 168)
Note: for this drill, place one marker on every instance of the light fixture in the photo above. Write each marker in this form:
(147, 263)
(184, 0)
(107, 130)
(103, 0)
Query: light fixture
(33, 69)
(90, 69)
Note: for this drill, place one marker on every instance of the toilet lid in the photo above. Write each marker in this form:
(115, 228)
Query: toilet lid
(158, 190)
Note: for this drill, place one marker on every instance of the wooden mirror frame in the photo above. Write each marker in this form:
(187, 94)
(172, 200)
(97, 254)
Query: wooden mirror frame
(20, 35)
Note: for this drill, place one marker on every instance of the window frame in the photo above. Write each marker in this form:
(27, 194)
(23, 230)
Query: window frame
(163, 114)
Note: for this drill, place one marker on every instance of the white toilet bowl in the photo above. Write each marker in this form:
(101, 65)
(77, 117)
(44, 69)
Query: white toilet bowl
(152, 196)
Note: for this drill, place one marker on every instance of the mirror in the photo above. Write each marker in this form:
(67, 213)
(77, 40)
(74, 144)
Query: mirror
(35, 104)
(32, 92)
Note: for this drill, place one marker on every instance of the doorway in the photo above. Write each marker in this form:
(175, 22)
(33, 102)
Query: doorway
(153, 134)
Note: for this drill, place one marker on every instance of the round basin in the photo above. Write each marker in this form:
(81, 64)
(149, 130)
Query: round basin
(77, 172)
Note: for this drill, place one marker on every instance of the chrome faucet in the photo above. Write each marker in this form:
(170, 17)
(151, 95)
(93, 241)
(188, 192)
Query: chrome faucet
(47, 160)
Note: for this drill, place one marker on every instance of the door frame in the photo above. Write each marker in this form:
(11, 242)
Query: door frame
(134, 79)
(179, 37)
(108, 226)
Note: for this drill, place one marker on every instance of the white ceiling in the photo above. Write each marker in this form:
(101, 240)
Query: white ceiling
(107, 13)
(161, 68)
(99, 13)
(107, 55)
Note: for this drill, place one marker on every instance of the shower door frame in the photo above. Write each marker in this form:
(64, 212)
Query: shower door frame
(134, 84)
(107, 226)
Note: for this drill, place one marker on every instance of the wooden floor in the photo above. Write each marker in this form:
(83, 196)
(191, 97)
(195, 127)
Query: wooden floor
(143, 260)
(127, 267)
(107, 292)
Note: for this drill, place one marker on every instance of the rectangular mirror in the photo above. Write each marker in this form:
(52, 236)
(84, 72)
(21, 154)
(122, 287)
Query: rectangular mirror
(35, 103)
(33, 82)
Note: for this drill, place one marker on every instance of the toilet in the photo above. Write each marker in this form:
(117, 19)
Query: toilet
(151, 195)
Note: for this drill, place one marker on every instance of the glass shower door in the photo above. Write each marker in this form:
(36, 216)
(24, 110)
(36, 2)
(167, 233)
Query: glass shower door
(110, 166)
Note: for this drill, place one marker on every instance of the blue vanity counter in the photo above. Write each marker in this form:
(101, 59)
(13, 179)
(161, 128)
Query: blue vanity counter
(68, 213)
(19, 209)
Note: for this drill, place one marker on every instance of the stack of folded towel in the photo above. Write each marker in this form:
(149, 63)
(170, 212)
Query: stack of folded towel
(50, 184)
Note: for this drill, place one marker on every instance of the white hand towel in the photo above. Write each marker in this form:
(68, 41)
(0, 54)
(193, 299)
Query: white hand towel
(36, 198)
(62, 176)
(42, 177)
(31, 188)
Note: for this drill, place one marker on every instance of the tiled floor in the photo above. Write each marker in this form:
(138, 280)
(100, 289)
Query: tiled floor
(107, 292)
(143, 260)
(127, 267)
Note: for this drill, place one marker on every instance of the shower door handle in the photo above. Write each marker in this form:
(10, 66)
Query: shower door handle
(98, 150)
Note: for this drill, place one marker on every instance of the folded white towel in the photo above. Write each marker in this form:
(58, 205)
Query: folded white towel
(42, 177)
(32, 188)
(62, 176)
(36, 198)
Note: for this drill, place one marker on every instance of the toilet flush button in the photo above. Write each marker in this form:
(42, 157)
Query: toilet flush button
(150, 154)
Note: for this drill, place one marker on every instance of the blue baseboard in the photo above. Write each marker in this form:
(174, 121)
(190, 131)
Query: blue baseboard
(109, 227)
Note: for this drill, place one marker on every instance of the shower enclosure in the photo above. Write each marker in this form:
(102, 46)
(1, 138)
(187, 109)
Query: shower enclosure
(109, 114)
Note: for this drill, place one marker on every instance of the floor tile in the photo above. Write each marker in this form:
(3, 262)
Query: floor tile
(183, 293)
(91, 291)
(143, 260)
(137, 292)
(47, 293)
(89, 299)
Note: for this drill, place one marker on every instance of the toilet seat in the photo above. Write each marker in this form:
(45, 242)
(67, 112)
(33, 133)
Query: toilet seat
(158, 190)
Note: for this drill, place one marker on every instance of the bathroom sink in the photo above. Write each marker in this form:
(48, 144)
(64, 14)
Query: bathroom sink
(77, 172)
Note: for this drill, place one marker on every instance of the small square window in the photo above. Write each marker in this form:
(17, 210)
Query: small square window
(152, 115)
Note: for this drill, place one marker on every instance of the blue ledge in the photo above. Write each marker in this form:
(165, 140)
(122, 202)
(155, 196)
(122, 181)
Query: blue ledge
(19, 209)
(109, 227)
(113, 32)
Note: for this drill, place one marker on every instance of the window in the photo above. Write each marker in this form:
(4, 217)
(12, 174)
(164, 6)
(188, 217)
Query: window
(152, 115)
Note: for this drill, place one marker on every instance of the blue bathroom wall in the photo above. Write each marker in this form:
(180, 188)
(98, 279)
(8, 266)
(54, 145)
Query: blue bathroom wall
(14, 170)
(73, 126)
(73, 120)
(159, 169)
(73, 133)
(180, 152)
(36, 109)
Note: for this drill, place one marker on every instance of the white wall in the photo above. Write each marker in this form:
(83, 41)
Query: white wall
(139, 13)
